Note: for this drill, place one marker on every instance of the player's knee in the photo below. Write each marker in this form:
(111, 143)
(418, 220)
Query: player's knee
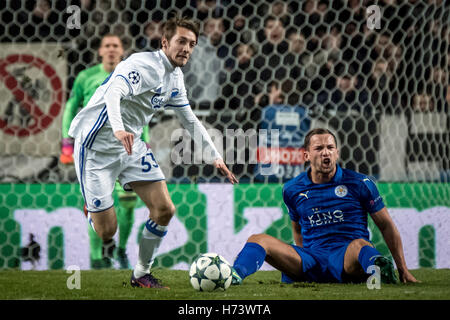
(359, 243)
(259, 238)
(107, 233)
(165, 212)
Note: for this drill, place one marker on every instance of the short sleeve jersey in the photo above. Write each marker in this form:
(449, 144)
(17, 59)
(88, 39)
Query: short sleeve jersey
(154, 85)
(334, 211)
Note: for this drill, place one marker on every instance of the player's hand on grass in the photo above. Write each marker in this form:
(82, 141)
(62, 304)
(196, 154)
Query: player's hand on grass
(223, 169)
(126, 138)
(66, 156)
(406, 276)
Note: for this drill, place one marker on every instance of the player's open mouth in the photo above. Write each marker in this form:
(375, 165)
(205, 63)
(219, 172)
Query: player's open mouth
(327, 161)
(275, 37)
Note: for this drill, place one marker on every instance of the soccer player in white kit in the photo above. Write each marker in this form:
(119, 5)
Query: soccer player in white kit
(107, 145)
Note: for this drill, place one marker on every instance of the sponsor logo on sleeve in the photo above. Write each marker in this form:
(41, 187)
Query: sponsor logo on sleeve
(304, 194)
(134, 77)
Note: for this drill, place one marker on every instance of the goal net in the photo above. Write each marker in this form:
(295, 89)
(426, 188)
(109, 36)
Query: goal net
(263, 73)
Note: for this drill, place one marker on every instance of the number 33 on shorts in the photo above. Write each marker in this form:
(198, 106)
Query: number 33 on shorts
(148, 161)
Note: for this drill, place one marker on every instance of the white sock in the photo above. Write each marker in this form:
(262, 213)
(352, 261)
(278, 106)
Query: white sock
(152, 236)
(91, 222)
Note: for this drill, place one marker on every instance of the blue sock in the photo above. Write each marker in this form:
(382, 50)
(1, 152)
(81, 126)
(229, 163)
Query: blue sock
(285, 278)
(367, 257)
(250, 259)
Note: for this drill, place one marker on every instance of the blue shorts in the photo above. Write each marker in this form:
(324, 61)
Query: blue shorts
(322, 264)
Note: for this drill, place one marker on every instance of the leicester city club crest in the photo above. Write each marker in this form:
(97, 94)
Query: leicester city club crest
(341, 191)
(134, 77)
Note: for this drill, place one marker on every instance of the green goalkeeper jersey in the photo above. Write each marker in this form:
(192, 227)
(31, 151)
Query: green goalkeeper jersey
(84, 87)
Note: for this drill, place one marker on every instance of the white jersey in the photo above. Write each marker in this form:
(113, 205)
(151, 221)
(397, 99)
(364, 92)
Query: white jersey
(153, 86)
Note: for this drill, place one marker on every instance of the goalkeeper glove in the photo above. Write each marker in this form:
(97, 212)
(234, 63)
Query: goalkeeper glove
(66, 156)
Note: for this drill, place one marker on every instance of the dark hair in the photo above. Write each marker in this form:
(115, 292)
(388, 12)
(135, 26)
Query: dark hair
(170, 26)
(270, 18)
(314, 132)
(110, 35)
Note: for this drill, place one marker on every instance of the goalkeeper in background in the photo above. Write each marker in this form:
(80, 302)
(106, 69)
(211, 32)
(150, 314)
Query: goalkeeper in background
(111, 52)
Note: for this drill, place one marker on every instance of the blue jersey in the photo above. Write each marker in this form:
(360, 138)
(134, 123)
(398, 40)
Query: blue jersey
(332, 212)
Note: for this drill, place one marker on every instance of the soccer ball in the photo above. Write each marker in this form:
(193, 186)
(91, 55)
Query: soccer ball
(209, 272)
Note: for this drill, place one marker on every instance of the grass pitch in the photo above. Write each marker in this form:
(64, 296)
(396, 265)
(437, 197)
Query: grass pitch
(263, 285)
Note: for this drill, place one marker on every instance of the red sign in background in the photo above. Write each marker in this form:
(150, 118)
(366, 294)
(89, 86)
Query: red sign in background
(41, 119)
(281, 155)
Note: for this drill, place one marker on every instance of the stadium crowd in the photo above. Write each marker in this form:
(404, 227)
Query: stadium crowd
(319, 55)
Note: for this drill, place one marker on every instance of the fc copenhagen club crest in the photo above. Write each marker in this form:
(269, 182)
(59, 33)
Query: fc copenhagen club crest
(134, 77)
(96, 202)
(341, 191)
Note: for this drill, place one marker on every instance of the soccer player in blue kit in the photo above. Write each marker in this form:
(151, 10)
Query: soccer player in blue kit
(328, 206)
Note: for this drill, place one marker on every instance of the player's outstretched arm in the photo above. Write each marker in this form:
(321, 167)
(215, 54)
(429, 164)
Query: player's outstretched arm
(223, 169)
(394, 242)
(117, 90)
(126, 138)
(193, 125)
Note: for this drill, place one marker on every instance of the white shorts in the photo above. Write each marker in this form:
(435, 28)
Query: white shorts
(98, 171)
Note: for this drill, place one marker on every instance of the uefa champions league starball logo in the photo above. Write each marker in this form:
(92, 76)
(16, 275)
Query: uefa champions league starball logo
(134, 77)
(341, 191)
